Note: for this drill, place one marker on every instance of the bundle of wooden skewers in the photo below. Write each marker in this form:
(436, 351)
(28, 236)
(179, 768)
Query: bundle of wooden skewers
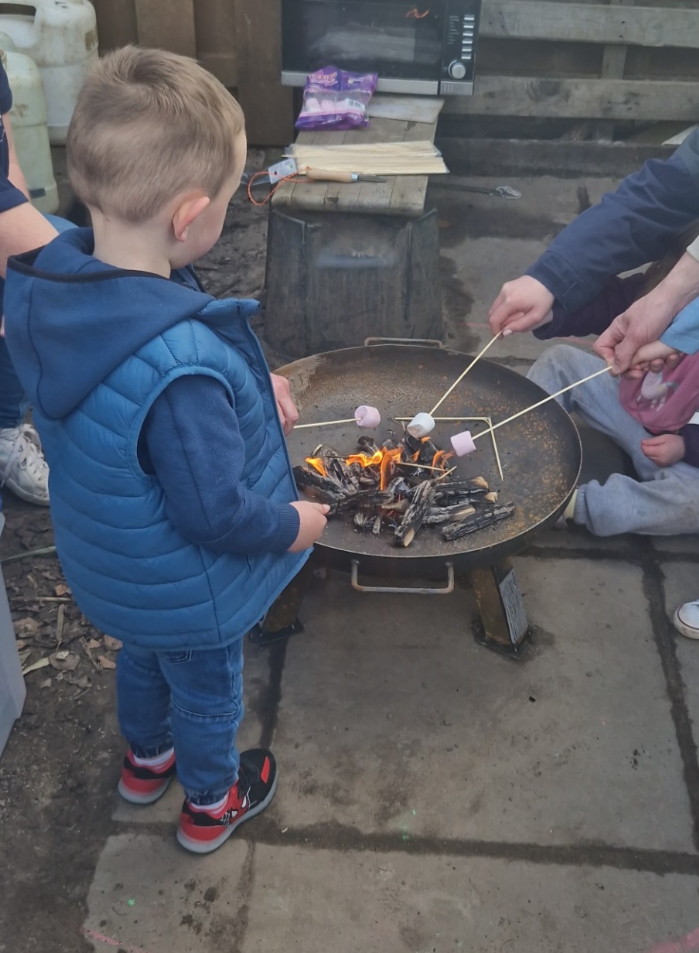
(396, 489)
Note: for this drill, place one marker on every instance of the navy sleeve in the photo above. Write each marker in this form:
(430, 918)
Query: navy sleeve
(626, 229)
(690, 432)
(192, 443)
(10, 195)
(596, 316)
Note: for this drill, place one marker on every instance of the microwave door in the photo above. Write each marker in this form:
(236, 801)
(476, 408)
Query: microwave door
(395, 39)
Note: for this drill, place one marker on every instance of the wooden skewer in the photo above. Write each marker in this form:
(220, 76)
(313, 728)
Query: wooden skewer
(540, 403)
(461, 376)
(495, 450)
(326, 423)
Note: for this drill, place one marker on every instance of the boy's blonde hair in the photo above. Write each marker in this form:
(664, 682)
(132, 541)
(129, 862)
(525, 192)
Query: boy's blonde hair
(148, 125)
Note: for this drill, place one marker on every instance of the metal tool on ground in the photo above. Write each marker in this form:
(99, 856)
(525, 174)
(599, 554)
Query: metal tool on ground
(499, 191)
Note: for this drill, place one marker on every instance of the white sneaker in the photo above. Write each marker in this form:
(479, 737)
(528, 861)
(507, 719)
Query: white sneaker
(686, 620)
(22, 466)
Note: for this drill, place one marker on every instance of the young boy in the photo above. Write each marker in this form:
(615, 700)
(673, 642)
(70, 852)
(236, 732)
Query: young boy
(175, 512)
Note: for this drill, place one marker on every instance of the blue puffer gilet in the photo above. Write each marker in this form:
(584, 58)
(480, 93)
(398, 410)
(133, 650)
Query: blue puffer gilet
(131, 572)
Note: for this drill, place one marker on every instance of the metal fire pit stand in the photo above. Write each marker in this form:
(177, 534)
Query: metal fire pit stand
(503, 625)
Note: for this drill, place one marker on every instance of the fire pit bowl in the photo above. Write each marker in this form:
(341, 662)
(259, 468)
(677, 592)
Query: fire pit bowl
(540, 452)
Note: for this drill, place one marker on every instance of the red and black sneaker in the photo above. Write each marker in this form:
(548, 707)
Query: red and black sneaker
(142, 785)
(204, 831)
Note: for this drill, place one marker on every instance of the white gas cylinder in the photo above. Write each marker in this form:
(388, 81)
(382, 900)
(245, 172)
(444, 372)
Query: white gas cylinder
(61, 38)
(29, 127)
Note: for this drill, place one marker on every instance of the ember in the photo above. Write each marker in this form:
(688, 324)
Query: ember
(400, 489)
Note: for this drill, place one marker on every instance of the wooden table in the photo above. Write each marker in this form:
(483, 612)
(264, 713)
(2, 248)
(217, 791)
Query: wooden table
(399, 195)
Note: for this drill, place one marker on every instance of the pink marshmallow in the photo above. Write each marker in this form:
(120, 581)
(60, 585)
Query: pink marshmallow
(463, 443)
(367, 417)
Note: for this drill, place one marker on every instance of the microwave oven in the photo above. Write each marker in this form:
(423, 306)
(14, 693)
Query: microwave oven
(419, 47)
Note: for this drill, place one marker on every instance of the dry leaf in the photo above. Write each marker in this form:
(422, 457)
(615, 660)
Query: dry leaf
(20, 644)
(42, 663)
(24, 655)
(62, 590)
(94, 644)
(64, 661)
(27, 626)
(45, 684)
(111, 643)
(105, 662)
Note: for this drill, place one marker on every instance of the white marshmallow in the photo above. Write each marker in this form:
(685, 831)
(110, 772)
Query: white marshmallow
(421, 425)
(367, 417)
(463, 443)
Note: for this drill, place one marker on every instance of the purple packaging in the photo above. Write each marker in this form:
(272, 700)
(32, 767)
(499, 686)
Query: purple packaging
(336, 99)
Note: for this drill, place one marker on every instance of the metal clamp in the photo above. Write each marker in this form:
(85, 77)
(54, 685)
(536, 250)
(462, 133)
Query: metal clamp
(419, 342)
(411, 591)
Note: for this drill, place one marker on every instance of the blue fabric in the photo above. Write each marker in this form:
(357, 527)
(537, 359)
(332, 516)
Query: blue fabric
(683, 333)
(13, 401)
(626, 229)
(95, 346)
(191, 441)
(10, 195)
(192, 700)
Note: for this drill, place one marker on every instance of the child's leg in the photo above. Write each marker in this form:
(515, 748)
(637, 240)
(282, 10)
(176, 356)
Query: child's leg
(666, 505)
(143, 703)
(597, 401)
(207, 708)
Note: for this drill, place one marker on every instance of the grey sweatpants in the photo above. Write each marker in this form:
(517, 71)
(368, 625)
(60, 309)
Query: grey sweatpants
(666, 500)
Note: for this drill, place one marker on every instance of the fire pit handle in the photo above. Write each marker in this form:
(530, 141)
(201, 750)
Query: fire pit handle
(411, 591)
(419, 342)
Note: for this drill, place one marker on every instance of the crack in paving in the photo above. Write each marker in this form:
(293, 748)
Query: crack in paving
(338, 838)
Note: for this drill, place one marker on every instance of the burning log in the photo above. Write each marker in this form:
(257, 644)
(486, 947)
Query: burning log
(448, 514)
(479, 520)
(414, 516)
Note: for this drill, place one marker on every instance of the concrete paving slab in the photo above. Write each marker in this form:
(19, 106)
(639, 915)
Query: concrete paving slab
(255, 681)
(312, 901)
(392, 719)
(682, 585)
(150, 896)
(677, 544)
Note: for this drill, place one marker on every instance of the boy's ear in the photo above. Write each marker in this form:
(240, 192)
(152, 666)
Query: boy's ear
(186, 213)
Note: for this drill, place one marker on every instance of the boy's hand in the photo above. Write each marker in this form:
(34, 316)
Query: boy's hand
(312, 522)
(664, 450)
(288, 414)
(522, 305)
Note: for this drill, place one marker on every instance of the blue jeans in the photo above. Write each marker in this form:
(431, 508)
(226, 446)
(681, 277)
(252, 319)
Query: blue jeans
(190, 700)
(13, 400)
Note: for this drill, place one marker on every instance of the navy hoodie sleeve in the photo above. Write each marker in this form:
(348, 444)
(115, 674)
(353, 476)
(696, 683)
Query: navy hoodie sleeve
(596, 316)
(690, 432)
(626, 229)
(191, 442)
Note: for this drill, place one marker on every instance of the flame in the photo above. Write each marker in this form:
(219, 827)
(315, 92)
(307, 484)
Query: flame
(441, 457)
(317, 464)
(364, 460)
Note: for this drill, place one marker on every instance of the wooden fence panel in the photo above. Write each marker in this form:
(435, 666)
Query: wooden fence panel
(168, 24)
(591, 23)
(578, 99)
(214, 22)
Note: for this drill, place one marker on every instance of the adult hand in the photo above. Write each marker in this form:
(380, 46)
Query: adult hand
(664, 450)
(646, 319)
(522, 305)
(288, 414)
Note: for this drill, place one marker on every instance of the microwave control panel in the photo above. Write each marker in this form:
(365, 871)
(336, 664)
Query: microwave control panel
(459, 48)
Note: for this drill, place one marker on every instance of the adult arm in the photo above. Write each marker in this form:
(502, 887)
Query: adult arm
(191, 441)
(626, 229)
(595, 316)
(22, 227)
